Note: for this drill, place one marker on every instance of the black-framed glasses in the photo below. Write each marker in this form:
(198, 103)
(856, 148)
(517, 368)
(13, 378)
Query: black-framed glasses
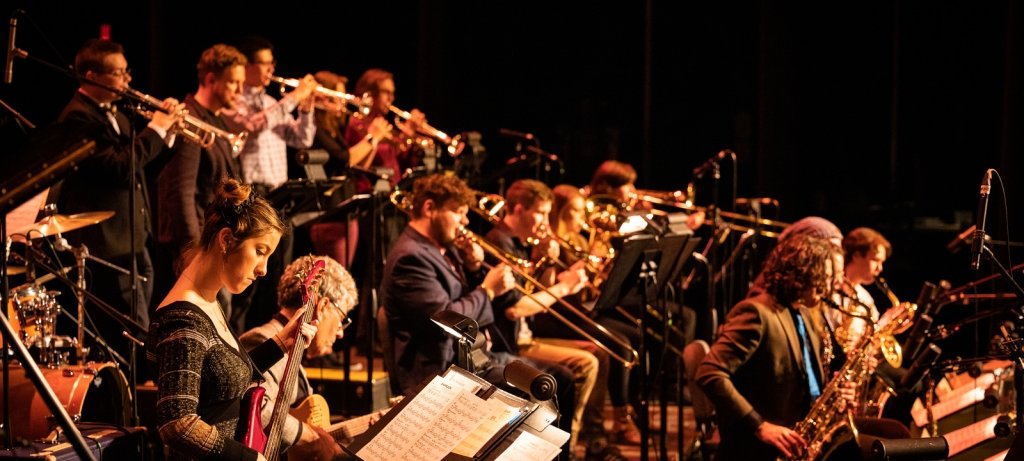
(119, 73)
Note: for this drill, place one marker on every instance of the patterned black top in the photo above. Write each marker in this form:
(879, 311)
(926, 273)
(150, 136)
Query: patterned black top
(201, 379)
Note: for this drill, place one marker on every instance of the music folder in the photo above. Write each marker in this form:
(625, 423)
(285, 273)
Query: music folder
(459, 416)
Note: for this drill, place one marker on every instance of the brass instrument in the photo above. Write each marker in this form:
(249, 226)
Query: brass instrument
(454, 144)
(825, 427)
(522, 269)
(362, 105)
(195, 130)
(734, 221)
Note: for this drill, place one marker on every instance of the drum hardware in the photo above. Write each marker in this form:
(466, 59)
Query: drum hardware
(54, 224)
(93, 392)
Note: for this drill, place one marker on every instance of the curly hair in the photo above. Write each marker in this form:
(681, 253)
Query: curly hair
(797, 266)
(218, 59)
(337, 284)
(440, 188)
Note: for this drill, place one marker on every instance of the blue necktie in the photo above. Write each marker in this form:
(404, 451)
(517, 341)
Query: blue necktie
(805, 344)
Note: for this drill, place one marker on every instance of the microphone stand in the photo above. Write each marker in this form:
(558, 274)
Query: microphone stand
(1018, 363)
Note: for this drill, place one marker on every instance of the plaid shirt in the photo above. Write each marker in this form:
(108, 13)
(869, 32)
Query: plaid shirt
(271, 130)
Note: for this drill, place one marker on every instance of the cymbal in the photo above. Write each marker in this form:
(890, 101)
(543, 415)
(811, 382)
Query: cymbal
(58, 223)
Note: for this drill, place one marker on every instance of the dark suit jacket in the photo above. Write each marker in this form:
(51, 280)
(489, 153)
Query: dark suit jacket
(189, 182)
(102, 181)
(419, 282)
(755, 371)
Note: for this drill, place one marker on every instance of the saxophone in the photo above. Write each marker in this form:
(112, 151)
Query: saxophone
(825, 427)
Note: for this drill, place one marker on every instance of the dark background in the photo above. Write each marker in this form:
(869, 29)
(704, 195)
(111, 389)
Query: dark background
(880, 114)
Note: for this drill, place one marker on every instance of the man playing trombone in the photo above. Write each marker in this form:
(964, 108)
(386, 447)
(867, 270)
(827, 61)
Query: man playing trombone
(528, 204)
(431, 269)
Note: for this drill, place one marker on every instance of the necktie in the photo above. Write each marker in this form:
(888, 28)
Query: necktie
(805, 345)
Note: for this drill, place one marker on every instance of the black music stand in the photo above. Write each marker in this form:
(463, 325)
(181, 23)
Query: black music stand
(643, 265)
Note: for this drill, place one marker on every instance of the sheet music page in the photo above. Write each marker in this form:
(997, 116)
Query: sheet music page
(457, 421)
(394, 440)
(529, 446)
(433, 423)
(498, 416)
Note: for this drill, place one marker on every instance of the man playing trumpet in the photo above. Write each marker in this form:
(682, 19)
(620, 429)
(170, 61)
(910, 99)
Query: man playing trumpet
(103, 181)
(190, 180)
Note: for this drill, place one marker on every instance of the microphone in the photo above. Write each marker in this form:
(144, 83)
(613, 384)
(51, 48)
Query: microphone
(954, 245)
(710, 163)
(9, 66)
(979, 231)
(516, 134)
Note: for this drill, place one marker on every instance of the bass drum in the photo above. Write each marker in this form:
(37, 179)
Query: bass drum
(95, 392)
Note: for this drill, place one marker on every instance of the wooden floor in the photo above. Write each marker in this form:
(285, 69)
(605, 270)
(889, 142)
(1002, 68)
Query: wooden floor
(671, 439)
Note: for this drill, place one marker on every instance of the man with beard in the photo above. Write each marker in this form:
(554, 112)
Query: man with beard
(189, 182)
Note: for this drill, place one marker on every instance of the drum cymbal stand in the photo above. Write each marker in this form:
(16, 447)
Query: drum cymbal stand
(81, 253)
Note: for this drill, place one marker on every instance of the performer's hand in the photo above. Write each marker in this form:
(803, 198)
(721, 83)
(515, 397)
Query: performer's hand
(574, 278)
(472, 253)
(379, 128)
(499, 280)
(287, 336)
(848, 392)
(784, 439)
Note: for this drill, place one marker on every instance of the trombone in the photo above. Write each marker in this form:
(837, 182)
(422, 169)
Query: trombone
(454, 144)
(196, 130)
(681, 200)
(362, 105)
(521, 268)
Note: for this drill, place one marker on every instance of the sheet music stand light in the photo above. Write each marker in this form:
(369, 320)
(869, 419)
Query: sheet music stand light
(461, 328)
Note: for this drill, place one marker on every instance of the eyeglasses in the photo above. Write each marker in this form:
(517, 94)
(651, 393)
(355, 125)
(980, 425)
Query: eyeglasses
(119, 73)
(346, 320)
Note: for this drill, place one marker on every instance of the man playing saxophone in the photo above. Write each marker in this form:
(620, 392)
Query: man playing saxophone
(773, 355)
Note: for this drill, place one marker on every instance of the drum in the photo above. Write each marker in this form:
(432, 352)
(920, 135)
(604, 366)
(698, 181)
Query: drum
(95, 392)
(32, 311)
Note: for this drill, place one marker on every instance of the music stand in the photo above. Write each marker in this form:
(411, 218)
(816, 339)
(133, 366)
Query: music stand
(652, 260)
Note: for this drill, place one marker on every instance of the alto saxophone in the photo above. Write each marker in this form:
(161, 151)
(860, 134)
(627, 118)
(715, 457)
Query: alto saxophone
(825, 428)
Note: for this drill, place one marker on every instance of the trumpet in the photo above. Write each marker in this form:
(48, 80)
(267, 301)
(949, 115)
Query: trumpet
(194, 129)
(454, 144)
(362, 104)
(523, 268)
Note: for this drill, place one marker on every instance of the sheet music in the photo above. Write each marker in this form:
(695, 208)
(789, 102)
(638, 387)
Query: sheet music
(457, 421)
(498, 416)
(529, 446)
(433, 423)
